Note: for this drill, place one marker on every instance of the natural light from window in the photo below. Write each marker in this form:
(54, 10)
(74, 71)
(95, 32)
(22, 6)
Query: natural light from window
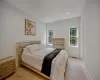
(73, 42)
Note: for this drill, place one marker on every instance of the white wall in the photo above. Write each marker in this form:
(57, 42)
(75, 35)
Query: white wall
(12, 27)
(61, 30)
(91, 29)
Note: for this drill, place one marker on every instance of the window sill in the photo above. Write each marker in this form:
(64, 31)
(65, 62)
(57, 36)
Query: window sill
(74, 46)
(50, 44)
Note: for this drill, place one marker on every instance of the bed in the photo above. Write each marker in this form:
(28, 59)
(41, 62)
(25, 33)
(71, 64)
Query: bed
(34, 61)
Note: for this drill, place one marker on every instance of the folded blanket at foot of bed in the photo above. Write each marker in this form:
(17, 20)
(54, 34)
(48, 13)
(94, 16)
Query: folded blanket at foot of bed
(47, 62)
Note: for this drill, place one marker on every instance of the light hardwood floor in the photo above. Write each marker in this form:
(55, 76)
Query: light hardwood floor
(74, 71)
(25, 74)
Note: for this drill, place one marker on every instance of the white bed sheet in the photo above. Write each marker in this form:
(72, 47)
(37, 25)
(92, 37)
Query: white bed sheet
(36, 59)
(58, 64)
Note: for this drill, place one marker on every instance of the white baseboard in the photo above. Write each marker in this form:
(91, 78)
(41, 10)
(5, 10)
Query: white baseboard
(87, 72)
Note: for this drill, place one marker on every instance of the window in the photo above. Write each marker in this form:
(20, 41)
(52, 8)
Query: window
(50, 36)
(73, 37)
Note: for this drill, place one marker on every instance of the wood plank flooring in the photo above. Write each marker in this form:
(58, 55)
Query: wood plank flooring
(74, 71)
(25, 74)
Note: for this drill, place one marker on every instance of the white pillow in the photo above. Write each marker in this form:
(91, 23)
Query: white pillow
(41, 46)
(35, 47)
(25, 51)
(32, 48)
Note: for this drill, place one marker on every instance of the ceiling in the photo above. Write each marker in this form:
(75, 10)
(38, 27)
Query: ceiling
(50, 10)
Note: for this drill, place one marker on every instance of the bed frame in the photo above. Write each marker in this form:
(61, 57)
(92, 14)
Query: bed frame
(20, 47)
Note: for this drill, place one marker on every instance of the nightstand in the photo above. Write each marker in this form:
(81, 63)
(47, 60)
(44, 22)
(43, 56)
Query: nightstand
(59, 43)
(7, 67)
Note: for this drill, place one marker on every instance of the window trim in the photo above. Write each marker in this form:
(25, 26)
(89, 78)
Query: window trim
(48, 37)
(77, 36)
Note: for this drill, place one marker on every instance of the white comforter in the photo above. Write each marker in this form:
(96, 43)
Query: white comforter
(58, 64)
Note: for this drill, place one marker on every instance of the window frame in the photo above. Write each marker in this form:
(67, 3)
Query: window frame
(77, 36)
(49, 36)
